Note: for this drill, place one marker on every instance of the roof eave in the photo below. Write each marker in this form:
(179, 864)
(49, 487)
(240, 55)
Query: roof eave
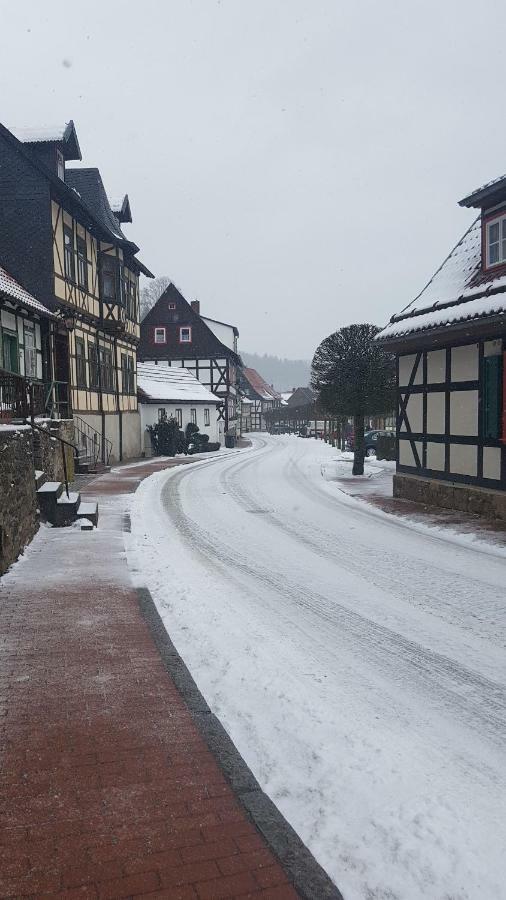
(477, 199)
(480, 326)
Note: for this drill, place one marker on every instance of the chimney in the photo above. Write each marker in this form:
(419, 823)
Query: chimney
(195, 305)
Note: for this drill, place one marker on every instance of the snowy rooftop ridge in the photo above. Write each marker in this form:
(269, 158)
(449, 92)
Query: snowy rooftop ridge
(42, 135)
(458, 291)
(12, 289)
(172, 383)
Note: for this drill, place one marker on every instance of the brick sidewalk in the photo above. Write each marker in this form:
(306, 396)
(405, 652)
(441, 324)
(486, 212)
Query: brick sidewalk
(108, 790)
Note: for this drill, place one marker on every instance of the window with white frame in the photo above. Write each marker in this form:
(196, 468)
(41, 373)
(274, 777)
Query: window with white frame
(185, 335)
(496, 241)
(160, 336)
(179, 417)
(193, 416)
(206, 417)
(172, 305)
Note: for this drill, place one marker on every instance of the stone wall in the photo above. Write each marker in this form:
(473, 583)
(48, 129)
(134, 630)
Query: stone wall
(48, 450)
(465, 497)
(18, 506)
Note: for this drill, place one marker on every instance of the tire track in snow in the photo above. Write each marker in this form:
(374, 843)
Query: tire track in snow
(466, 694)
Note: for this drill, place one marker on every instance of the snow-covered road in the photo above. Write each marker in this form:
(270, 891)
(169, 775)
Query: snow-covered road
(358, 664)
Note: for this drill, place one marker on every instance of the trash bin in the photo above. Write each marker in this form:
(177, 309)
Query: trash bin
(230, 440)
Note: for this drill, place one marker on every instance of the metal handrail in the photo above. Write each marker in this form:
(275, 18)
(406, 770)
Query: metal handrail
(62, 441)
(95, 438)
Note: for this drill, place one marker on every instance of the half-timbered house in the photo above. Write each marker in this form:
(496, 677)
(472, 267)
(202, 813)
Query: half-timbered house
(25, 334)
(173, 333)
(60, 238)
(262, 395)
(450, 343)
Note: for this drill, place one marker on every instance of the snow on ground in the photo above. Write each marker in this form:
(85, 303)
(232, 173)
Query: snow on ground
(357, 663)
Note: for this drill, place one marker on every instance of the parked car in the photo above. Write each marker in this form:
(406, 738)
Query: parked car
(370, 440)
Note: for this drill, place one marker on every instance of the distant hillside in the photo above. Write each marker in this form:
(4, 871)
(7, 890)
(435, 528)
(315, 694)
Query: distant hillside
(284, 374)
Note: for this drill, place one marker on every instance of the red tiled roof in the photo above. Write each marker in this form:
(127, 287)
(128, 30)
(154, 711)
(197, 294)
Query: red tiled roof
(259, 385)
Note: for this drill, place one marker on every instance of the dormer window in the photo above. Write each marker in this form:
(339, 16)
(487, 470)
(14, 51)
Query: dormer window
(60, 165)
(496, 241)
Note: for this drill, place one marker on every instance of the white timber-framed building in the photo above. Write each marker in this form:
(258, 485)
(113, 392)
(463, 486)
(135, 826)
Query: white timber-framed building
(450, 343)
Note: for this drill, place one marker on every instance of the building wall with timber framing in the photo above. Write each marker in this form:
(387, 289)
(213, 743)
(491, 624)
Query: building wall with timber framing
(450, 415)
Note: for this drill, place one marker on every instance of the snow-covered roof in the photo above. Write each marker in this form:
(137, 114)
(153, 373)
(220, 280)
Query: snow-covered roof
(12, 289)
(171, 383)
(459, 291)
(64, 134)
(42, 135)
(121, 208)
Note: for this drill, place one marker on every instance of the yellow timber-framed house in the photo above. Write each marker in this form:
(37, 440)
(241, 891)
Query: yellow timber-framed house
(61, 237)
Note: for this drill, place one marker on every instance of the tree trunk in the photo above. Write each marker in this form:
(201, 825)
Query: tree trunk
(358, 455)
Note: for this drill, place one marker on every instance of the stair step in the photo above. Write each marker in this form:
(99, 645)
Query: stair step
(73, 499)
(40, 478)
(88, 511)
(65, 510)
(50, 490)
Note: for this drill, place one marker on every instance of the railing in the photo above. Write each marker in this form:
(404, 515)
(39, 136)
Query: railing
(47, 432)
(57, 399)
(92, 443)
(20, 398)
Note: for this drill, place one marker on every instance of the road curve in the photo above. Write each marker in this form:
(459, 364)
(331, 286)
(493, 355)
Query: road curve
(357, 664)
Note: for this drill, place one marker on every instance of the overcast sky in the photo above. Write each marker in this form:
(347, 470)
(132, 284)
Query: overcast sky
(293, 164)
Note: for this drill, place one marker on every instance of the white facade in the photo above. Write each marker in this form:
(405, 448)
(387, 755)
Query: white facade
(184, 412)
(174, 392)
(227, 334)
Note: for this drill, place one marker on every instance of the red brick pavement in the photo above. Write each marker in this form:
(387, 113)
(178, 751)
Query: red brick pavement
(107, 788)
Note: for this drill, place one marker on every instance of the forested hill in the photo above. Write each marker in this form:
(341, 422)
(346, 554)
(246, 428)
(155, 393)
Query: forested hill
(284, 374)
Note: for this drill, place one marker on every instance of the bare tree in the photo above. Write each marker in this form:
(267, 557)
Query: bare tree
(152, 292)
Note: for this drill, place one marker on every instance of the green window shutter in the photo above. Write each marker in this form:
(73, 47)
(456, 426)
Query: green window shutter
(11, 356)
(491, 399)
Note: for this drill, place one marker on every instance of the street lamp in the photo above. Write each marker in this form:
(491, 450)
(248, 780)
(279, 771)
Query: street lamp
(69, 320)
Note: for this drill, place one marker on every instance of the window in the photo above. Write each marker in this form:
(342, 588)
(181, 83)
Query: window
(10, 351)
(160, 336)
(106, 369)
(492, 374)
(60, 165)
(206, 417)
(127, 374)
(82, 263)
(162, 414)
(185, 335)
(68, 242)
(80, 363)
(179, 417)
(193, 416)
(110, 287)
(30, 352)
(131, 298)
(496, 241)
(172, 305)
(93, 363)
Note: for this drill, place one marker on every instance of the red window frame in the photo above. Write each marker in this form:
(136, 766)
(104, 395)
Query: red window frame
(160, 328)
(187, 328)
(499, 267)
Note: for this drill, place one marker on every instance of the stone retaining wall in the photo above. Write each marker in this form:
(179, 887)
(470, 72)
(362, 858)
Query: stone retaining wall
(18, 506)
(468, 498)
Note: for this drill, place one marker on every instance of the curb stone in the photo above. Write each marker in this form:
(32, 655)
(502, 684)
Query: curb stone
(307, 876)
